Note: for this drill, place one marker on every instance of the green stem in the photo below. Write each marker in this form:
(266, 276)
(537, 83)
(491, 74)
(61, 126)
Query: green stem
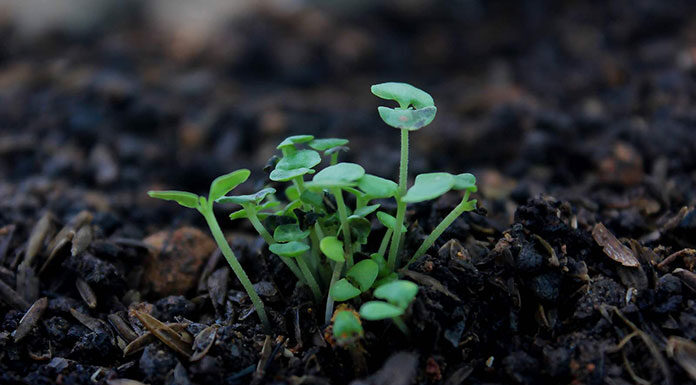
(309, 277)
(236, 267)
(400, 206)
(385, 242)
(334, 158)
(437, 231)
(259, 227)
(343, 217)
(338, 267)
(401, 325)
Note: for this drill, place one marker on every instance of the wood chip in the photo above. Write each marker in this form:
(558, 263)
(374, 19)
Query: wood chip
(86, 293)
(12, 298)
(612, 247)
(164, 333)
(683, 351)
(30, 319)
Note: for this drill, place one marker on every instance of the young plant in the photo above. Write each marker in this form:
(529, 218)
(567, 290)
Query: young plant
(399, 295)
(220, 186)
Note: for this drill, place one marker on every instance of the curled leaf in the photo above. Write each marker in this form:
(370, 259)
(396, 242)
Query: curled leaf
(183, 198)
(327, 144)
(465, 181)
(407, 119)
(403, 93)
(291, 141)
(226, 183)
(254, 198)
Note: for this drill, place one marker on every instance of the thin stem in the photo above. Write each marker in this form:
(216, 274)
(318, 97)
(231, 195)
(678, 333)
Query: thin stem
(309, 277)
(338, 267)
(401, 325)
(400, 206)
(343, 217)
(236, 267)
(437, 231)
(334, 158)
(259, 227)
(385, 242)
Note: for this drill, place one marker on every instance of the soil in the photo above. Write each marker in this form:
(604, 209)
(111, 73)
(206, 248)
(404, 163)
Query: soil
(577, 119)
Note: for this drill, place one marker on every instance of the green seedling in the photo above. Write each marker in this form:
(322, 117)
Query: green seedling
(399, 295)
(220, 186)
(330, 146)
(347, 328)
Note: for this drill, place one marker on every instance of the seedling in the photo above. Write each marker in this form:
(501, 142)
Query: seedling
(220, 186)
(399, 295)
(347, 328)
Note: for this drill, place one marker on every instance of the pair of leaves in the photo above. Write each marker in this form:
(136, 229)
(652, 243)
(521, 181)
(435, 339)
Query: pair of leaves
(218, 188)
(359, 279)
(399, 294)
(432, 185)
(416, 107)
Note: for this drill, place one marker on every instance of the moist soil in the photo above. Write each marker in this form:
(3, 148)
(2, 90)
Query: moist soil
(577, 267)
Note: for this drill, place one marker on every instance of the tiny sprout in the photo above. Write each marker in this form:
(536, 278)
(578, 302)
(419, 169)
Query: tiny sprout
(347, 328)
(399, 294)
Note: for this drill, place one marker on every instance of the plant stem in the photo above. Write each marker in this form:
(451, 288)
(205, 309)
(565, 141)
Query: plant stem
(338, 267)
(309, 277)
(401, 325)
(334, 158)
(259, 227)
(437, 231)
(385, 242)
(400, 206)
(236, 267)
(343, 217)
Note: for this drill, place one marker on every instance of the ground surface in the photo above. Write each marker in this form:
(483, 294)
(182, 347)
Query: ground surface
(570, 116)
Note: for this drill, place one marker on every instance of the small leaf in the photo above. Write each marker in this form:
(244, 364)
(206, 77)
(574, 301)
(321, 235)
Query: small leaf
(407, 119)
(183, 198)
(313, 199)
(386, 278)
(388, 221)
(289, 209)
(376, 187)
(290, 249)
(336, 149)
(342, 290)
(225, 183)
(403, 93)
(239, 214)
(359, 229)
(332, 248)
(365, 211)
(465, 181)
(346, 327)
(291, 193)
(279, 175)
(338, 175)
(364, 274)
(399, 293)
(255, 198)
(429, 186)
(299, 159)
(381, 264)
(378, 310)
(327, 144)
(293, 140)
(289, 232)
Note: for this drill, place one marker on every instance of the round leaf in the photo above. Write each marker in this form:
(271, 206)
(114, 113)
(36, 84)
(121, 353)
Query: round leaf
(346, 327)
(279, 175)
(225, 183)
(359, 229)
(403, 93)
(389, 221)
(378, 310)
(363, 274)
(376, 187)
(429, 186)
(290, 249)
(332, 248)
(399, 293)
(338, 175)
(293, 140)
(299, 159)
(465, 181)
(289, 232)
(254, 198)
(342, 290)
(183, 198)
(365, 211)
(327, 144)
(408, 119)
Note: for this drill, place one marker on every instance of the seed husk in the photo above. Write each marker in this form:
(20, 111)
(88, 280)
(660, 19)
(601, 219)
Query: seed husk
(86, 293)
(30, 318)
(203, 342)
(82, 239)
(612, 247)
(164, 333)
(36, 239)
(13, 298)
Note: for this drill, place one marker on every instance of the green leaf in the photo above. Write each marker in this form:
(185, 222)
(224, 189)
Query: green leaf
(289, 232)
(313, 199)
(338, 175)
(398, 293)
(386, 278)
(359, 229)
(291, 193)
(465, 181)
(342, 290)
(346, 327)
(363, 274)
(299, 159)
(389, 221)
(279, 175)
(332, 248)
(381, 264)
(225, 183)
(376, 187)
(429, 186)
(336, 149)
(378, 310)
(408, 119)
(327, 144)
(403, 93)
(289, 209)
(239, 214)
(183, 198)
(254, 198)
(365, 211)
(293, 140)
(290, 249)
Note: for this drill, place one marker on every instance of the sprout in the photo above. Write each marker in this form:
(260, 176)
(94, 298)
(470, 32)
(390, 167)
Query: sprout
(347, 328)
(399, 295)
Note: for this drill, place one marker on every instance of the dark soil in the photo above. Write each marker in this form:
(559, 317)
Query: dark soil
(570, 115)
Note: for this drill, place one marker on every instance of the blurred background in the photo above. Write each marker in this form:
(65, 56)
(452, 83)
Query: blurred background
(102, 100)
